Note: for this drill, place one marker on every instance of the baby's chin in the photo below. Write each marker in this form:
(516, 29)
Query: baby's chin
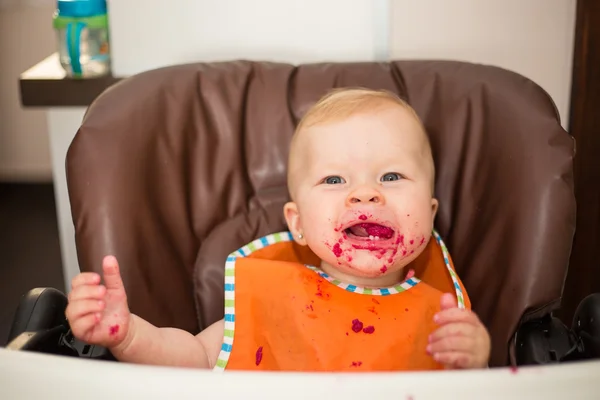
(365, 264)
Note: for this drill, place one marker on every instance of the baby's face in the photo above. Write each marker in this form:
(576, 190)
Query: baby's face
(363, 192)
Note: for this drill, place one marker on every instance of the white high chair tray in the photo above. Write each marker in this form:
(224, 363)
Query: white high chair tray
(25, 375)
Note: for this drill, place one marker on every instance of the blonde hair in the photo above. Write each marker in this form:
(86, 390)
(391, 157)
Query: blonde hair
(339, 104)
(344, 102)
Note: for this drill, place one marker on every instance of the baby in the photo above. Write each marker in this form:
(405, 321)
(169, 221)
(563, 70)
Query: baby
(360, 282)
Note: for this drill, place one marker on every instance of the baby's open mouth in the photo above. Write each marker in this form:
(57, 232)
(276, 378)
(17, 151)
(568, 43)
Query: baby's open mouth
(369, 231)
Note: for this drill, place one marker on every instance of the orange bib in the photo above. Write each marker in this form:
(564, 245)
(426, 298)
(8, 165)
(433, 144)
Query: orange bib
(282, 313)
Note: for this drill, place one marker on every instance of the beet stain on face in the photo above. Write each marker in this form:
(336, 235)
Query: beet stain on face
(363, 217)
(412, 242)
(337, 250)
(383, 269)
(357, 325)
(113, 330)
(369, 329)
(371, 246)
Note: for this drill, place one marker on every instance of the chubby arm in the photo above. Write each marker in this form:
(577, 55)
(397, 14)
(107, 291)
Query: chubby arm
(150, 345)
(99, 314)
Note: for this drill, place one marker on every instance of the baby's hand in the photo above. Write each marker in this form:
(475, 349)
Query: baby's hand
(99, 314)
(461, 341)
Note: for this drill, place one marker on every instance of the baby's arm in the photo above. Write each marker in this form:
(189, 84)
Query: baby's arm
(170, 346)
(99, 314)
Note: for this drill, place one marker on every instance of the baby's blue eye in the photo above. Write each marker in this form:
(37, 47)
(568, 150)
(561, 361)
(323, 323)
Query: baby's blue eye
(391, 176)
(334, 180)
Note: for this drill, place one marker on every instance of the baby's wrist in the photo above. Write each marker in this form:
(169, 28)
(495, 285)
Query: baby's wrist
(123, 347)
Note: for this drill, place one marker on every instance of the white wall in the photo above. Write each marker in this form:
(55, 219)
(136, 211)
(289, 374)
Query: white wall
(26, 37)
(531, 37)
(295, 31)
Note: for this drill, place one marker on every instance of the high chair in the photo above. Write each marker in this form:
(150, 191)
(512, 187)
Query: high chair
(175, 168)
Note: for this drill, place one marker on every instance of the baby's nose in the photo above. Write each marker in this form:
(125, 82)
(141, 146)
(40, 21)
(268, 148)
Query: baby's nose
(365, 195)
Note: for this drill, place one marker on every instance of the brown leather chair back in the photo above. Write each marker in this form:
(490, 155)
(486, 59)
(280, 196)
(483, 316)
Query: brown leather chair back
(174, 168)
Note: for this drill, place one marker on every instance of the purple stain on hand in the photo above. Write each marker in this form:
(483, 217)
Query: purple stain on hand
(357, 325)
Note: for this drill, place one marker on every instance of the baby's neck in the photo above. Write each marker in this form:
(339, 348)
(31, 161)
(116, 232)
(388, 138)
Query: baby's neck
(383, 281)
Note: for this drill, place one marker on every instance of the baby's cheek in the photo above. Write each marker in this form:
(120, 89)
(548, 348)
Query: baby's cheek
(410, 241)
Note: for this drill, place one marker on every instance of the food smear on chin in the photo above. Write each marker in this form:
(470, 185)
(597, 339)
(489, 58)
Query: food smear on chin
(372, 246)
(375, 238)
(113, 330)
(337, 250)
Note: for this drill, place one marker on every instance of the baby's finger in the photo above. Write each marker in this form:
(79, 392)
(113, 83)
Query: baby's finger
(454, 329)
(448, 301)
(80, 308)
(454, 359)
(85, 278)
(112, 276)
(451, 343)
(81, 327)
(92, 292)
(455, 315)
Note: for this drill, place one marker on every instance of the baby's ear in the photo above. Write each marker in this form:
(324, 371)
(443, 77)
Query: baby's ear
(292, 217)
(434, 208)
